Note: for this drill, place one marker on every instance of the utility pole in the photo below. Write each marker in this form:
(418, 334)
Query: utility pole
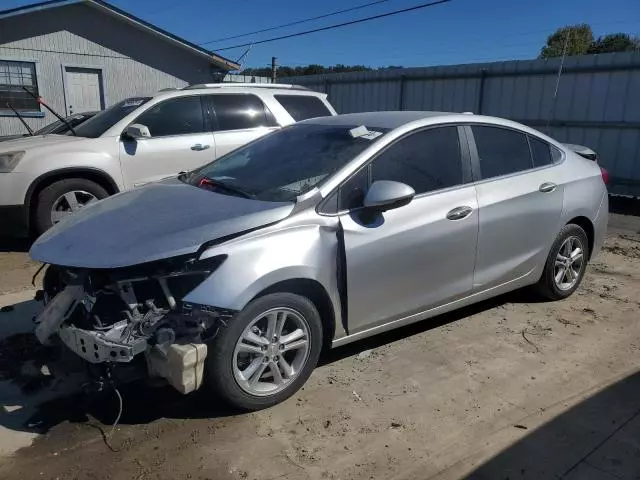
(274, 66)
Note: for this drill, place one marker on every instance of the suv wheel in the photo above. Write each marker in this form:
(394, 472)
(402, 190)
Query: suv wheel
(566, 263)
(266, 353)
(62, 198)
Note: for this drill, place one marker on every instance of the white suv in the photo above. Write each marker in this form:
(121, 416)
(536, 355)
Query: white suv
(136, 141)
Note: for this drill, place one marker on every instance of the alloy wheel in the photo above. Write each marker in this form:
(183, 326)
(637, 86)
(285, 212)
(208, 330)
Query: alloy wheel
(69, 203)
(569, 263)
(271, 351)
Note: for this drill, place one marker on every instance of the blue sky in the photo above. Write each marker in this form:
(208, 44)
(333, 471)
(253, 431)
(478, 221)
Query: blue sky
(462, 31)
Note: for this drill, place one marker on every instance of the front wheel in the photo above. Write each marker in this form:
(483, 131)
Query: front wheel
(62, 198)
(566, 263)
(266, 353)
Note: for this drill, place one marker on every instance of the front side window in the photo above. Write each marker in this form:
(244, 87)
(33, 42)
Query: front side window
(176, 116)
(240, 111)
(104, 120)
(14, 77)
(301, 107)
(284, 164)
(501, 151)
(427, 160)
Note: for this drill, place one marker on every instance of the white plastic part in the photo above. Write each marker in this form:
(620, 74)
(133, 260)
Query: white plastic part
(182, 365)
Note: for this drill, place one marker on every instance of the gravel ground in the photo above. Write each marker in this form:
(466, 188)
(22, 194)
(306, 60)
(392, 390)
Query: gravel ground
(510, 388)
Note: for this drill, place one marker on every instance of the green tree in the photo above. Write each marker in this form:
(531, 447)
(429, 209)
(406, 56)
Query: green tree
(580, 40)
(615, 42)
(312, 69)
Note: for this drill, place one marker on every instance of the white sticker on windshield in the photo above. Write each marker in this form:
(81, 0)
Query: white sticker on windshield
(371, 135)
(132, 103)
(364, 132)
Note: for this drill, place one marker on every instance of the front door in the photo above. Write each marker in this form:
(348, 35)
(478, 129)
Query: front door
(520, 205)
(239, 119)
(84, 90)
(420, 255)
(181, 140)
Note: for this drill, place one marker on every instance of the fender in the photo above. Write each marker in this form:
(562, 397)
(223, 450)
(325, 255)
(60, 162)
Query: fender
(68, 172)
(287, 251)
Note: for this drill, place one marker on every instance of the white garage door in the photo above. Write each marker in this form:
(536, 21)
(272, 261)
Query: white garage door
(84, 90)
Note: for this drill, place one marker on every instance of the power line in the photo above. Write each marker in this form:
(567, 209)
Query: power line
(479, 46)
(338, 25)
(298, 22)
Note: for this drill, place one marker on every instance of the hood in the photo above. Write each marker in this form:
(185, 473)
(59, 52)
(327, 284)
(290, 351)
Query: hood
(29, 142)
(154, 222)
(4, 138)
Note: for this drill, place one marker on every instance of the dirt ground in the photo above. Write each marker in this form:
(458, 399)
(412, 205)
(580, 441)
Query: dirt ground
(510, 388)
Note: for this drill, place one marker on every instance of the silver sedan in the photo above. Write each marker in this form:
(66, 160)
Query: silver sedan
(323, 233)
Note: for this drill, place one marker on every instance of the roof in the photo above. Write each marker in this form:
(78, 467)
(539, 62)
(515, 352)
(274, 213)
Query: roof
(109, 9)
(388, 120)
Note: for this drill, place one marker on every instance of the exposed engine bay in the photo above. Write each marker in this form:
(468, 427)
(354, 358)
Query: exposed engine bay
(132, 315)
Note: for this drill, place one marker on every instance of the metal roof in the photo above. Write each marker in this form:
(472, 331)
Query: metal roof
(389, 120)
(109, 9)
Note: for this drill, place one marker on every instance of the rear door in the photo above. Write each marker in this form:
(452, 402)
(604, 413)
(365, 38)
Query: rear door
(520, 202)
(181, 140)
(420, 255)
(238, 118)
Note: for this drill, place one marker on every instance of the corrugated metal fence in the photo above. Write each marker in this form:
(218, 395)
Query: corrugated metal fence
(236, 77)
(597, 105)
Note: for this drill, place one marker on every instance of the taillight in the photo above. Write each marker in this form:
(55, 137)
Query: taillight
(605, 176)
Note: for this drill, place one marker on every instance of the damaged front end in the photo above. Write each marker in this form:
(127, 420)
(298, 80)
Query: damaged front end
(134, 316)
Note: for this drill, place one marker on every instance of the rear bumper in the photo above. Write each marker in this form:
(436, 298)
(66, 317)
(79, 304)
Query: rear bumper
(14, 221)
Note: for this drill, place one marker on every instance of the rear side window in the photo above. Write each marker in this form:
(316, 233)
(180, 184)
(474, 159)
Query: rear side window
(501, 151)
(301, 107)
(427, 160)
(541, 152)
(177, 116)
(240, 111)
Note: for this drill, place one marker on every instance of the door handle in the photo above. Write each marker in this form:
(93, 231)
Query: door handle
(198, 147)
(547, 187)
(459, 213)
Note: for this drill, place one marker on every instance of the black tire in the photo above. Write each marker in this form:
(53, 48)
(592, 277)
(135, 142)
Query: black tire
(49, 194)
(547, 286)
(220, 379)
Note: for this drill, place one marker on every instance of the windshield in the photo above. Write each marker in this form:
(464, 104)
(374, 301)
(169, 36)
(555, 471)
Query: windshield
(51, 128)
(59, 127)
(96, 126)
(284, 164)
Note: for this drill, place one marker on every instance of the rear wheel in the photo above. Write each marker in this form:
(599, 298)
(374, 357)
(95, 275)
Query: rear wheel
(266, 353)
(62, 198)
(566, 263)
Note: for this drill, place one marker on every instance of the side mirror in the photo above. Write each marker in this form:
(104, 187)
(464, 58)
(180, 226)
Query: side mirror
(386, 195)
(136, 130)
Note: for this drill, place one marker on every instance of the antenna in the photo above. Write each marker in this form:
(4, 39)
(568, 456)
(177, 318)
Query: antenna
(555, 93)
(244, 54)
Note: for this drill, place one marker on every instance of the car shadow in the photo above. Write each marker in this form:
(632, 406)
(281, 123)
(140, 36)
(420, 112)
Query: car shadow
(381, 339)
(624, 205)
(11, 244)
(46, 403)
(596, 438)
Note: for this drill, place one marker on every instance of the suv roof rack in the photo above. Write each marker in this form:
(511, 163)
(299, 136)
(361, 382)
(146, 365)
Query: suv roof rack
(253, 85)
